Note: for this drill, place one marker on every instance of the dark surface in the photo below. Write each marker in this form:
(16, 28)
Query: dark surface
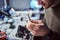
(22, 31)
(4, 13)
(50, 36)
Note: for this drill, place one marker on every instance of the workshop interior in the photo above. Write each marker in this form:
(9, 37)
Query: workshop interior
(14, 15)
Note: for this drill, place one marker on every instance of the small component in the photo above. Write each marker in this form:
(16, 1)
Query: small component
(21, 19)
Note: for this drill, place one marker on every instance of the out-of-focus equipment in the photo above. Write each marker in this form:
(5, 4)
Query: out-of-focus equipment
(12, 26)
(23, 33)
(11, 21)
(3, 35)
(4, 13)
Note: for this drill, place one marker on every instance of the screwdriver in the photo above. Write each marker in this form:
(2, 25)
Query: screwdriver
(32, 20)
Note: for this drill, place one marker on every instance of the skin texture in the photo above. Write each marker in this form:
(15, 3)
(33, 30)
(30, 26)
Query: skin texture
(37, 28)
(46, 3)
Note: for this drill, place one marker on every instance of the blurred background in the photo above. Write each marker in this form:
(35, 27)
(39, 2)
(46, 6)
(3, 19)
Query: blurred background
(14, 17)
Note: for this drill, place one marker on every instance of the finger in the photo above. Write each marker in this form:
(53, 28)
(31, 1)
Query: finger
(30, 26)
(34, 33)
(37, 24)
(36, 21)
(34, 26)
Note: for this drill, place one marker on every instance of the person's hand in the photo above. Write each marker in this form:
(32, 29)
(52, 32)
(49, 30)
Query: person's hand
(37, 28)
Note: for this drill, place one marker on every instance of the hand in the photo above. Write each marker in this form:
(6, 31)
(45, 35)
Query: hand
(37, 27)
